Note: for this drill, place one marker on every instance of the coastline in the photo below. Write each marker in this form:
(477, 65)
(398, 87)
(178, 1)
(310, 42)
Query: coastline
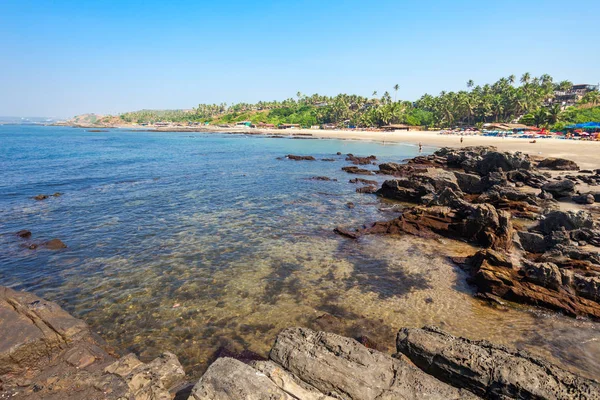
(582, 152)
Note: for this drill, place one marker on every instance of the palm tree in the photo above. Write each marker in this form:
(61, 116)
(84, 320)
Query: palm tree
(374, 93)
(396, 87)
(525, 78)
(470, 83)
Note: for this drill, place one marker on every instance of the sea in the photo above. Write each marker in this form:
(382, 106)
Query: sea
(200, 243)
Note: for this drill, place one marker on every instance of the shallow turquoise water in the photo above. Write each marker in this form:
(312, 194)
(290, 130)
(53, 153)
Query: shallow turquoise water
(190, 241)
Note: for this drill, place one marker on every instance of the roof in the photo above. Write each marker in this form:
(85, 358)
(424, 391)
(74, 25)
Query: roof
(508, 127)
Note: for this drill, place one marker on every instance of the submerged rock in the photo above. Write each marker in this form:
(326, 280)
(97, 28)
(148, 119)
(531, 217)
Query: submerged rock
(300, 158)
(361, 160)
(356, 170)
(367, 189)
(490, 371)
(24, 234)
(55, 244)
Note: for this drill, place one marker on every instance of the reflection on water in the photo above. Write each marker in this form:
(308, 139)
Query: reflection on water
(192, 242)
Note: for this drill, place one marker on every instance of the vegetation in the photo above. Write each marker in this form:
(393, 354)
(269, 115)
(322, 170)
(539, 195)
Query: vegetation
(506, 100)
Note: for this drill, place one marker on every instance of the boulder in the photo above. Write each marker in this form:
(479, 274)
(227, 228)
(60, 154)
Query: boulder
(561, 188)
(361, 160)
(40, 197)
(489, 370)
(24, 234)
(584, 199)
(367, 189)
(358, 171)
(300, 158)
(569, 220)
(55, 244)
(420, 188)
(344, 369)
(532, 242)
(527, 177)
(544, 284)
(558, 164)
(469, 183)
(495, 160)
(361, 180)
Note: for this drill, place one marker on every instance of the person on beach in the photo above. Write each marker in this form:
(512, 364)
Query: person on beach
(461, 139)
(420, 147)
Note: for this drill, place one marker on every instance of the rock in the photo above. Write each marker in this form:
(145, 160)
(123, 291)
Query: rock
(543, 284)
(24, 234)
(46, 351)
(416, 188)
(584, 199)
(480, 224)
(569, 220)
(367, 189)
(40, 197)
(328, 159)
(356, 170)
(345, 369)
(55, 244)
(361, 180)
(489, 370)
(558, 164)
(527, 177)
(338, 153)
(149, 381)
(32, 330)
(532, 242)
(360, 160)
(545, 196)
(561, 188)
(494, 160)
(469, 183)
(346, 232)
(321, 178)
(350, 205)
(300, 158)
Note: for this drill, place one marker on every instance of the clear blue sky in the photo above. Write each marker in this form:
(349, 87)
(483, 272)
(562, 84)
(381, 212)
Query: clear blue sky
(61, 57)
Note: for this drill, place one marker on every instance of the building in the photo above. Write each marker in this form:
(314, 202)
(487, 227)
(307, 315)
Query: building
(570, 97)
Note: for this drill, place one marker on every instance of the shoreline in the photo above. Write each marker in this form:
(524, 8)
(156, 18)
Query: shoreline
(582, 152)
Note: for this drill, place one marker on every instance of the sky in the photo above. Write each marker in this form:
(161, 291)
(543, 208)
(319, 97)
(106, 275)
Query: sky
(60, 58)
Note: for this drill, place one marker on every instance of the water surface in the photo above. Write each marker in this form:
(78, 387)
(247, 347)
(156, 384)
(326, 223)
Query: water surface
(189, 242)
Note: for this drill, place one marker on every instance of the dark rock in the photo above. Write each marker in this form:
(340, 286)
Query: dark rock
(481, 224)
(532, 242)
(561, 188)
(361, 180)
(539, 283)
(300, 158)
(40, 197)
(338, 153)
(569, 220)
(488, 370)
(558, 164)
(350, 205)
(367, 189)
(328, 159)
(584, 199)
(357, 171)
(416, 188)
(360, 160)
(321, 178)
(346, 232)
(55, 244)
(493, 161)
(469, 183)
(24, 234)
(527, 177)
(545, 196)
(57, 194)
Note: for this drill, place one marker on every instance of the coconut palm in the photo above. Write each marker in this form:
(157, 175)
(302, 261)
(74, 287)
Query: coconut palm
(396, 87)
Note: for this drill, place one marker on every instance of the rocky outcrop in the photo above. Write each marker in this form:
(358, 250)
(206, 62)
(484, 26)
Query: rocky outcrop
(300, 158)
(47, 354)
(558, 164)
(419, 188)
(572, 291)
(491, 371)
(560, 189)
(359, 171)
(361, 180)
(345, 369)
(361, 160)
(367, 189)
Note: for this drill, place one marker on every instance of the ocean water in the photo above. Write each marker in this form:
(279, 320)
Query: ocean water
(193, 242)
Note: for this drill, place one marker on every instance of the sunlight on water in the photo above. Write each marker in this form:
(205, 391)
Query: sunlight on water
(189, 243)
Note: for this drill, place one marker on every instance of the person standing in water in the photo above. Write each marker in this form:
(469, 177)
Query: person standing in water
(420, 147)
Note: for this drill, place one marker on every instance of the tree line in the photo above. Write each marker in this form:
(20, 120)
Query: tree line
(528, 100)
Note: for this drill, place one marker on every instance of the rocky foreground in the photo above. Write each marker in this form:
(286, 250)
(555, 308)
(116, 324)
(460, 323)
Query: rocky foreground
(47, 354)
(511, 206)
